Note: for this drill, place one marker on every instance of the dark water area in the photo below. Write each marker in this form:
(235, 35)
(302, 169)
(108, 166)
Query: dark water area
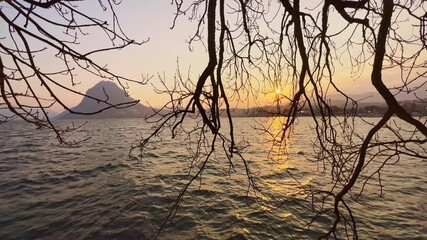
(94, 190)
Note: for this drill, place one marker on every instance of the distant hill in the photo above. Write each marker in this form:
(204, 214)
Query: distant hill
(110, 92)
(374, 98)
(6, 113)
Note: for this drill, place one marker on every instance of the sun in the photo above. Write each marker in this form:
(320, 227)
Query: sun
(278, 90)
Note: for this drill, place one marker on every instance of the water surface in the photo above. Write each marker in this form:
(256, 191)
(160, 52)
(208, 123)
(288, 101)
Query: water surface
(93, 190)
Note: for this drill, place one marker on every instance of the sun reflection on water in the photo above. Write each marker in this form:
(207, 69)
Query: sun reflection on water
(278, 148)
(283, 163)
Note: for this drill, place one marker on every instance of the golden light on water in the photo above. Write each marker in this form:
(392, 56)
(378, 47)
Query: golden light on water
(286, 165)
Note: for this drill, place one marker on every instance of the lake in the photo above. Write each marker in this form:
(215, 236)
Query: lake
(94, 190)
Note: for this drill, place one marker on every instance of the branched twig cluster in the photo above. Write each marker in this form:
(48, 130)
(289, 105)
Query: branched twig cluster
(253, 48)
(256, 46)
(36, 29)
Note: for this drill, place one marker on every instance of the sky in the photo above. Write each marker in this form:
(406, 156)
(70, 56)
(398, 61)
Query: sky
(152, 19)
(142, 20)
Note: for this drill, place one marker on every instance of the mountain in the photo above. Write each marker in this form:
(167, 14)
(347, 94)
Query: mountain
(6, 113)
(107, 91)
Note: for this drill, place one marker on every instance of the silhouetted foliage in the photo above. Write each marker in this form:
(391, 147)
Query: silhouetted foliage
(33, 30)
(253, 47)
(257, 46)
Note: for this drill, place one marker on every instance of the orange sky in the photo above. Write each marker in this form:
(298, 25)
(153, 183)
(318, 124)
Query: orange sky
(152, 19)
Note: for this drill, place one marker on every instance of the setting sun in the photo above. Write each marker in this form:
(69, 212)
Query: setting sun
(278, 91)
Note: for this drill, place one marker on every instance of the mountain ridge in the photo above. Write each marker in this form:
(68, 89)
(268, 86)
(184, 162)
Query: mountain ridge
(114, 103)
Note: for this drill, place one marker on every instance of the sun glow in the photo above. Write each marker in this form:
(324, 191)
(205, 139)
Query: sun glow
(278, 90)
